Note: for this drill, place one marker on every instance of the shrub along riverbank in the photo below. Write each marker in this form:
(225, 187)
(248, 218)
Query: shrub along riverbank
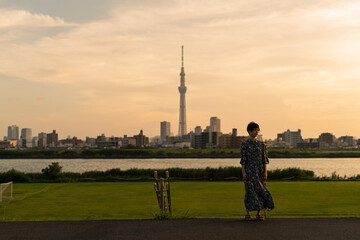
(53, 173)
(174, 153)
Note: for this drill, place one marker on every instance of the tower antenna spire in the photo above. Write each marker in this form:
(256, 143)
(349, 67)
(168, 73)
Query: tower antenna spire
(182, 56)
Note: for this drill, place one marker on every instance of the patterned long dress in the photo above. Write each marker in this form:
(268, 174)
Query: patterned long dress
(254, 157)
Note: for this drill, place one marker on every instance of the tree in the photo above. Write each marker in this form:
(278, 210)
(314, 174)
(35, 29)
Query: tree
(53, 171)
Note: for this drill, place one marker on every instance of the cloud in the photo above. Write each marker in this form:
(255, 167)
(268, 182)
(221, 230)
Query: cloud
(22, 18)
(138, 44)
(283, 52)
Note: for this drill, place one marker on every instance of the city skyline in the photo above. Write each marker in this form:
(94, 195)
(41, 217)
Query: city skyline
(165, 131)
(114, 70)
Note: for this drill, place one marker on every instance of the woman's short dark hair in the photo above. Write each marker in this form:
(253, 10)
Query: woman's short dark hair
(251, 126)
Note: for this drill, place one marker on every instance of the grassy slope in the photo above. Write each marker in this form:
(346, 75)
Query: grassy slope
(80, 201)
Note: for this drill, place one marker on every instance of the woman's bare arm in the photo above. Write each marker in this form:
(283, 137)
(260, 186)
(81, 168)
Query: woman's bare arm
(265, 172)
(244, 172)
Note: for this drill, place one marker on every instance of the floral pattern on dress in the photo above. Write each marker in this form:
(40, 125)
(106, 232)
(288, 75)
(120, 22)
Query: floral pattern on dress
(254, 157)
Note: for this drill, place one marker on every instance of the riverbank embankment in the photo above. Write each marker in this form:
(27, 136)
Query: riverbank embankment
(172, 153)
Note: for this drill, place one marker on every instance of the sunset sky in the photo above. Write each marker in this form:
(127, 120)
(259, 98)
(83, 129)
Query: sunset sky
(86, 67)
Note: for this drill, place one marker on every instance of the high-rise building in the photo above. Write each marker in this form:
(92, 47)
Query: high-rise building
(182, 90)
(198, 130)
(214, 131)
(164, 130)
(13, 132)
(26, 138)
(214, 124)
(42, 140)
(52, 139)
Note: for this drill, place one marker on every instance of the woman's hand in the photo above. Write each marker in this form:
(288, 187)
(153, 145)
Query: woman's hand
(245, 177)
(265, 176)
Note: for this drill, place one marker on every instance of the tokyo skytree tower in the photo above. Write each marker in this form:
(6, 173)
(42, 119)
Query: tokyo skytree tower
(182, 90)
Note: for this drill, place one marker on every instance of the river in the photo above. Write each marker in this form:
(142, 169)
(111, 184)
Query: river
(321, 166)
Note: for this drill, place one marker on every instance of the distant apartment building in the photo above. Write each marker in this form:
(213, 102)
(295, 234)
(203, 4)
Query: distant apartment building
(191, 140)
(289, 139)
(293, 138)
(42, 140)
(281, 137)
(126, 141)
(107, 142)
(196, 143)
(52, 139)
(174, 139)
(5, 144)
(13, 133)
(155, 141)
(71, 142)
(198, 130)
(214, 139)
(26, 138)
(141, 139)
(205, 140)
(35, 142)
(164, 131)
(326, 140)
(231, 140)
(100, 138)
(309, 143)
(91, 142)
(346, 141)
(201, 139)
(111, 142)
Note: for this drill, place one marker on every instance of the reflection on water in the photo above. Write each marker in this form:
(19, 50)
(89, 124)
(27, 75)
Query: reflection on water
(321, 166)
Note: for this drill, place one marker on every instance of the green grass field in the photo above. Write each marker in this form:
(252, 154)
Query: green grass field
(137, 200)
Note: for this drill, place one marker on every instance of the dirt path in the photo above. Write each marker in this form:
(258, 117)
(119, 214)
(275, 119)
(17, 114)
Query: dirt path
(185, 229)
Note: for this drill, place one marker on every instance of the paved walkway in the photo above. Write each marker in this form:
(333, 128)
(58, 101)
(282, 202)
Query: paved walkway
(185, 229)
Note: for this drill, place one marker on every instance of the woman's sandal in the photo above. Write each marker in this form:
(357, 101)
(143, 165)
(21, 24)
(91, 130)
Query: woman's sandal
(247, 217)
(260, 218)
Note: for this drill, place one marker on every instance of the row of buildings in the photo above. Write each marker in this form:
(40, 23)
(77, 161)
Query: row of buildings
(25, 140)
(212, 137)
(209, 137)
(293, 139)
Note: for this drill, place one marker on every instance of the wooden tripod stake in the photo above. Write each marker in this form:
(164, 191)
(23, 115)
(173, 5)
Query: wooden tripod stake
(162, 191)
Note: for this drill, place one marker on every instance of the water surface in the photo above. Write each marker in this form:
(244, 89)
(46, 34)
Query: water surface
(321, 166)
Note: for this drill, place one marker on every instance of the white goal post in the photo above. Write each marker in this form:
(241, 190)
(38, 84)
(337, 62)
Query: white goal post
(6, 190)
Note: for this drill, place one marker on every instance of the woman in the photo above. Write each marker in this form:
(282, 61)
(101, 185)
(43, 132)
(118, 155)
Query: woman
(253, 162)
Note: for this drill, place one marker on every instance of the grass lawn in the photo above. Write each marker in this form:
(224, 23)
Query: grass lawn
(134, 200)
